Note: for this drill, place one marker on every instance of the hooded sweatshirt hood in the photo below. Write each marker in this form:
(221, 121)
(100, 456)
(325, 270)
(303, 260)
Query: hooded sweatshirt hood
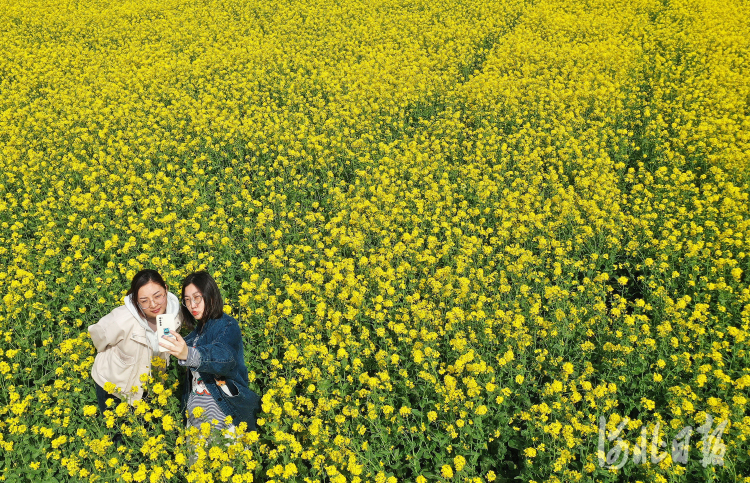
(173, 307)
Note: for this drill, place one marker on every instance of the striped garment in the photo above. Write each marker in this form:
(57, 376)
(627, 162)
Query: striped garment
(199, 395)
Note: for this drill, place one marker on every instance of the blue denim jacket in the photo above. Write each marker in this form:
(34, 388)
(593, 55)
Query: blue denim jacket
(222, 356)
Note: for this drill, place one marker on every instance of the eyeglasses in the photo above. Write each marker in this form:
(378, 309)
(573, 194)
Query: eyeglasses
(195, 301)
(152, 302)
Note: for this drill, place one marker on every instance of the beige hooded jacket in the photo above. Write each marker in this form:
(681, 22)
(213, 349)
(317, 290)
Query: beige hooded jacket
(125, 345)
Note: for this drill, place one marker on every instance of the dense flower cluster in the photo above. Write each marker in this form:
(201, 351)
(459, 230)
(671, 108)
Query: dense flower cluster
(455, 234)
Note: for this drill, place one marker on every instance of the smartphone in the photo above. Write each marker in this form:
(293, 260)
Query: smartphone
(165, 323)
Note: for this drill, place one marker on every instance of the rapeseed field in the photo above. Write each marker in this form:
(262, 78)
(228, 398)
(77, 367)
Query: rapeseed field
(466, 240)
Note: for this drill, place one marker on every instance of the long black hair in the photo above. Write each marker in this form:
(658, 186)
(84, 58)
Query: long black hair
(139, 280)
(213, 304)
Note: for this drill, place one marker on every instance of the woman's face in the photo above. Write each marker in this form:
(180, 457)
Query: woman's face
(193, 300)
(152, 299)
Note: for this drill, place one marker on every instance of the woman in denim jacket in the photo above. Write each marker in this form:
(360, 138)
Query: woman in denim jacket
(216, 379)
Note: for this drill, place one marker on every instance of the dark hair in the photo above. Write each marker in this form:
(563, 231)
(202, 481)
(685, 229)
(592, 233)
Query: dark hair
(139, 280)
(213, 304)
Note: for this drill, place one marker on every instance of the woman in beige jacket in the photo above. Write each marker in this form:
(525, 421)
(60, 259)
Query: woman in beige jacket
(126, 338)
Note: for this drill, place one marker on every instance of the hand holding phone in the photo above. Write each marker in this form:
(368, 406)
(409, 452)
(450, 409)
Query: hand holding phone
(176, 347)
